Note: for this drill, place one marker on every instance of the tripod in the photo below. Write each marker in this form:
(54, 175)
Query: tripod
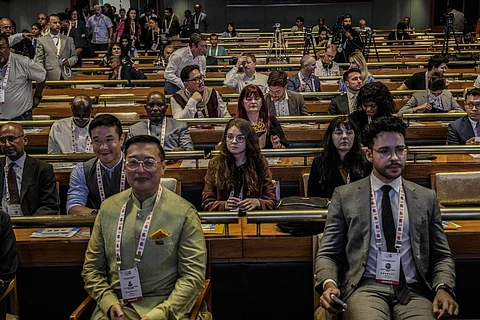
(448, 31)
(277, 51)
(369, 39)
(309, 42)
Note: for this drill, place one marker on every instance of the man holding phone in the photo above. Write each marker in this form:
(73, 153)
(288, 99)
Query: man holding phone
(384, 251)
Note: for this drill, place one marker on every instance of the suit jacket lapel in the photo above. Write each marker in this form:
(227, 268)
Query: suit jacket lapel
(51, 43)
(2, 175)
(27, 176)
(63, 43)
(363, 205)
(415, 213)
(467, 128)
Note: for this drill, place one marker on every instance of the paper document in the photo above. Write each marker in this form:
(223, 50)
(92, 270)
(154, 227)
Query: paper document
(55, 232)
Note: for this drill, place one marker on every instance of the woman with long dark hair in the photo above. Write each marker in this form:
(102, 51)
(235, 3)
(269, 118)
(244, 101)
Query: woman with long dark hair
(342, 160)
(130, 27)
(127, 48)
(230, 31)
(115, 50)
(252, 107)
(239, 177)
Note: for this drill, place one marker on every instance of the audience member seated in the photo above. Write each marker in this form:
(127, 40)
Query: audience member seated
(173, 134)
(115, 50)
(357, 61)
(408, 26)
(169, 269)
(123, 71)
(17, 102)
(466, 130)
(320, 24)
(131, 28)
(56, 52)
(196, 100)
(361, 243)
(252, 107)
(128, 49)
(193, 54)
(477, 82)
(93, 181)
(214, 50)
(28, 186)
(9, 258)
(400, 34)
(230, 31)
(322, 38)
(283, 102)
(70, 135)
(347, 103)
(299, 25)
(239, 178)
(376, 100)
(305, 80)
(238, 81)
(419, 81)
(362, 26)
(436, 99)
(342, 160)
(326, 66)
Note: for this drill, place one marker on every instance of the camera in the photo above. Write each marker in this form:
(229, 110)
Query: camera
(447, 18)
(277, 26)
(308, 30)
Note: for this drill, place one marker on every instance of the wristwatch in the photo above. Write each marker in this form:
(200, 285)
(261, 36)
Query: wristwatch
(446, 288)
(94, 211)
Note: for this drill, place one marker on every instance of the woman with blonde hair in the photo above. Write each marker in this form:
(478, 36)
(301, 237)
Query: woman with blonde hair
(357, 60)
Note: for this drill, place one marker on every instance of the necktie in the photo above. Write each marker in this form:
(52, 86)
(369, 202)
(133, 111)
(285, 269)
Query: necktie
(401, 290)
(34, 44)
(353, 103)
(477, 129)
(12, 185)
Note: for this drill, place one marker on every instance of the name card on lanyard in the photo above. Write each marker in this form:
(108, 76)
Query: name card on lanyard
(58, 46)
(74, 145)
(101, 189)
(130, 279)
(164, 130)
(4, 84)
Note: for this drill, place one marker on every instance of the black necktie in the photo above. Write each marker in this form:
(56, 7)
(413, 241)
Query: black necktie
(401, 290)
(12, 185)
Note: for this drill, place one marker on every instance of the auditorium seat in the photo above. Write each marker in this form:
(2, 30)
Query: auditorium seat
(41, 117)
(456, 188)
(122, 115)
(11, 294)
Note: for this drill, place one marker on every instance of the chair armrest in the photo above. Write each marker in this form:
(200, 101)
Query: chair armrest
(11, 286)
(205, 294)
(81, 308)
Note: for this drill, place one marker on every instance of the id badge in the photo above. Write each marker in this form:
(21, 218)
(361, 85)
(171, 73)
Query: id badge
(166, 30)
(14, 210)
(2, 95)
(154, 46)
(388, 267)
(130, 285)
(197, 26)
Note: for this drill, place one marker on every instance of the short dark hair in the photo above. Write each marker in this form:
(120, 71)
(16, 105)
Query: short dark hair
(347, 15)
(277, 78)
(401, 26)
(143, 138)
(383, 124)
(346, 74)
(472, 92)
(62, 16)
(155, 19)
(106, 120)
(4, 37)
(147, 7)
(436, 61)
(38, 25)
(169, 9)
(213, 35)
(185, 73)
(301, 19)
(437, 82)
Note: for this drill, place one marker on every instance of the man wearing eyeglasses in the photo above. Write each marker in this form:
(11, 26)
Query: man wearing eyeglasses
(172, 134)
(466, 130)
(70, 135)
(382, 239)
(27, 184)
(195, 100)
(95, 180)
(157, 265)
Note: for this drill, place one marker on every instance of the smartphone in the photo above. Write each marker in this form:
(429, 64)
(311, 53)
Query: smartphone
(339, 302)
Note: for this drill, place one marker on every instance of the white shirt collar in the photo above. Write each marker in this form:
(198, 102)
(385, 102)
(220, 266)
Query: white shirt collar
(473, 122)
(377, 183)
(20, 162)
(112, 168)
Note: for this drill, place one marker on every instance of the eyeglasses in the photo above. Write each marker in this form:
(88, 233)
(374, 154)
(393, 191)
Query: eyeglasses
(134, 164)
(198, 79)
(400, 152)
(239, 138)
(473, 105)
(3, 140)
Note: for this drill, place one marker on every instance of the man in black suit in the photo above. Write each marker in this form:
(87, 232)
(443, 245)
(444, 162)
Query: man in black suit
(347, 103)
(122, 71)
(28, 184)
(466, 130)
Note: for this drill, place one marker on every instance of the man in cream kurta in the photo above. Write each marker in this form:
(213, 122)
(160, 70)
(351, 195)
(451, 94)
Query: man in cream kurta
(172, 268)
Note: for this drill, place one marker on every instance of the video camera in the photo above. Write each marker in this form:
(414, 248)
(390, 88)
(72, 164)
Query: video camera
(276, 27)
(447, 18)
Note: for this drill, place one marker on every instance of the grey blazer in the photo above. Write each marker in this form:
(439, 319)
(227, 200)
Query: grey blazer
(344, 248)
(419, 98)
(459, 131)
(177, 134)
(46, 56)
(296, 104)
(294, 83)
(339, 105)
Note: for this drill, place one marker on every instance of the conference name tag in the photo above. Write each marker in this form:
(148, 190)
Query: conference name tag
(197, 26)
(2, 95)
(154, 46)
(166, 30)
(14, 210)
(388, 267)
(130, 285)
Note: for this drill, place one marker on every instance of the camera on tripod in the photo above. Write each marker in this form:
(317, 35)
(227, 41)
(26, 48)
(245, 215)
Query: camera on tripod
(447, 18)
(276, 27)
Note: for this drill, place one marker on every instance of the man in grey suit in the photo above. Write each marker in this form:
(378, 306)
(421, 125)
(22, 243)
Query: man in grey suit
(436, 99)
(347, 103)
(56, 52)
(384, 250)
(305, 80)
(283, 102)
(466, 130)
(173, 134)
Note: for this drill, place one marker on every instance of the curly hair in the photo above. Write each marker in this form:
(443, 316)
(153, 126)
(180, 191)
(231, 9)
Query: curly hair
(329, 158)
(226, 176)
(377, 92)
(383, 124)
(253, 91)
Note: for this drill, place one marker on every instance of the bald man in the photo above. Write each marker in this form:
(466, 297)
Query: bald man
(305, 80)
(28, 188)
(70, 135)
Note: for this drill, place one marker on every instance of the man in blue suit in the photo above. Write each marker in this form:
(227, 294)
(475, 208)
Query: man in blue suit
(305, 80)
(466, 130)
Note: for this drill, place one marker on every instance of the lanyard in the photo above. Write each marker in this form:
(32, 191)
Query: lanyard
(74, 145)
(376, 223)
(5, 78)
(7, 192)
(69, 29)
(169, 24)
(101, 189)
(58, 46)
(216, 51)
(164, 130)
(197, 18)
(426, 80)
(310, 83)
(143, 236)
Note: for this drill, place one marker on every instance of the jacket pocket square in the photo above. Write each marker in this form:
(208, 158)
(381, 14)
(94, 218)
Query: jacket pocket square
(159, 234)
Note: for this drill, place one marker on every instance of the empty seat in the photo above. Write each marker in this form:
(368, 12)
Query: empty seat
(457, 188)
